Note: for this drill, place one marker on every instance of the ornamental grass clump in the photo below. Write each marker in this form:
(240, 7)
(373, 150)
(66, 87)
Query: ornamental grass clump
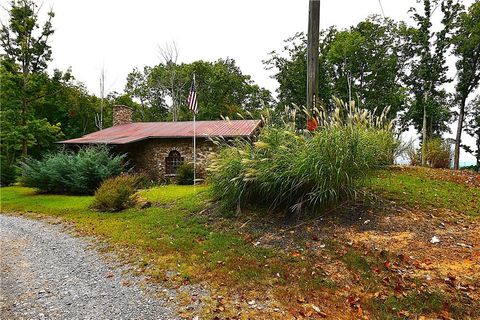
(118, 193)
(297, 170)
(438, 153)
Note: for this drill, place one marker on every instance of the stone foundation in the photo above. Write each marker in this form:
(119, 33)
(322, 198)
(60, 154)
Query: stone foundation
(149, 156)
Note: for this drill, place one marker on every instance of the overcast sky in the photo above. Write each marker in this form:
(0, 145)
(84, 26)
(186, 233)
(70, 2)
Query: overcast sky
(120, 35)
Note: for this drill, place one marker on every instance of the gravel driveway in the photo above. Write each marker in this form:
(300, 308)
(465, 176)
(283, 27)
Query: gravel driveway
(48, 274)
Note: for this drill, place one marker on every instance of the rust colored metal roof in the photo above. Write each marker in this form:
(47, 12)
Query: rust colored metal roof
(137, 131)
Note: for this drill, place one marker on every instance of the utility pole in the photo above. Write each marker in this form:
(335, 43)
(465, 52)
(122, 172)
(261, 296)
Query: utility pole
(312, 53)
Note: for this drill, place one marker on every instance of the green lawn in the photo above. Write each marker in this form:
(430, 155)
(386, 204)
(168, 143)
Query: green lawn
(414, 187)
(169, 236)
(167, 228)
(166, 236)
(172, 236)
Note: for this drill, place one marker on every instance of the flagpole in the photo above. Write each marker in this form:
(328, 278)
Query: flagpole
(194, 143)
(194, 151)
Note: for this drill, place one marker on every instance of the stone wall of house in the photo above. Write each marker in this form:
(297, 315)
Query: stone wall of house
(122, 115)
(149, 156)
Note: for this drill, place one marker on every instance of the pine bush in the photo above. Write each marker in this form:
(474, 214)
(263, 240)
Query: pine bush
(185, 174)
(8, 173)
(66, 172)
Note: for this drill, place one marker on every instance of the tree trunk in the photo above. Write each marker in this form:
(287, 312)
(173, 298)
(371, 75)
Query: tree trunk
(478, 150)
(24, 111)
(424, 134)
(458, 139)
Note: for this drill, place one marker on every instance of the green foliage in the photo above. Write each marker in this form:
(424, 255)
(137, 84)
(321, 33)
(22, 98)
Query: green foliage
(466, 43)
(428, 67)
(467, 48)
(8, 173)
(438, 153)
(291, 68)
(68, 102)
(472, 127)
(24, 41)
(20, 126)
(58, 108)
(380, 63)
(223, 90)
(185, 174)
(227, 173)
(38, 109)
(287, 169)
(117, 193)
(368, 61)
(473, 168)
(72, 173)
(27, 53)
(364, 63)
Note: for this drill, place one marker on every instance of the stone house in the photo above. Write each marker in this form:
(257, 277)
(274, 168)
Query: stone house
(158, 148)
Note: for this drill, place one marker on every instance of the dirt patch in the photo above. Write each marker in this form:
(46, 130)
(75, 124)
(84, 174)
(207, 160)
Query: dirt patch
(397, 241)
(374, 261)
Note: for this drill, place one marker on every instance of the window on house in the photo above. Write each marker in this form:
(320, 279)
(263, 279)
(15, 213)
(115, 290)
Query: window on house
(172, 162)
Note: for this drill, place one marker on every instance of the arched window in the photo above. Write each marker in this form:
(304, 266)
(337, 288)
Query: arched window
(172, 162)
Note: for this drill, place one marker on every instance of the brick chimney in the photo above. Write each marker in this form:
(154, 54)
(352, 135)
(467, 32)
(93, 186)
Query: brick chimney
(122, 115)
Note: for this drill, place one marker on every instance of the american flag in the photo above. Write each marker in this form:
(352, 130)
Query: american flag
(192, 98)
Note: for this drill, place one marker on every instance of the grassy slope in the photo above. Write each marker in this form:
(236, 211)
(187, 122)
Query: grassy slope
(169, 236)
(416, 187)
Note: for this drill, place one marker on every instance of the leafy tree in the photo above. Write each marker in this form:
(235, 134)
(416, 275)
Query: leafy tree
(27, 53)
(368, 62)
(18, 128)
(37, 109)
(472, 127)
(428, 68)
(364, 63)
(467, 48)
(76, 110)
(222, 89)
(58, 100)
(144, 87)
(291, 69)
